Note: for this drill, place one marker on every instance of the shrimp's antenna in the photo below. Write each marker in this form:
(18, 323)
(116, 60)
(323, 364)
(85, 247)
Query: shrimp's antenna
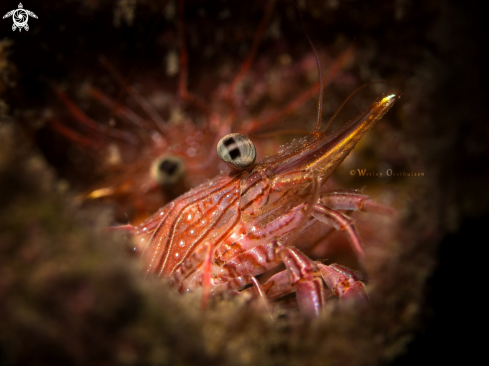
(128, 79)
(320, 72)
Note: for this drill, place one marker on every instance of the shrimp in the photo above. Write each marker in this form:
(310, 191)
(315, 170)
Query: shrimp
(242, 223)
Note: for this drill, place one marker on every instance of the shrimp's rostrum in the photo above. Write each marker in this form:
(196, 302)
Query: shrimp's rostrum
(245, 222)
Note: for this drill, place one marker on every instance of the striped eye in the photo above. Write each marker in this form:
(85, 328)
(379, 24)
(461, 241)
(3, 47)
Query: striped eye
(236, 150)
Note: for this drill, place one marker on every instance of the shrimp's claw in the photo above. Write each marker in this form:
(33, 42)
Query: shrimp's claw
(310, 290)
(344, 282)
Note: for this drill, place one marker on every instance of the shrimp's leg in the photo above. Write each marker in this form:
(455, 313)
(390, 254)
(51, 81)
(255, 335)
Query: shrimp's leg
(310, 289)
(129, 229)
(340, 222)
(259, 290)
(207, 274)
(278, 285)
(135, 95)
(74, 136)
(343, 282)
(347, 200)
(245, 66)
(120, 110)
(90, 123)
(351, 200)
(299, 277)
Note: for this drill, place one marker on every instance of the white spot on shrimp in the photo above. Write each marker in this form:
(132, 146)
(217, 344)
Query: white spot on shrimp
(191, 152)
(144, 229)
(189, 217)
(182, 244)
(192, 232)
(176, 255)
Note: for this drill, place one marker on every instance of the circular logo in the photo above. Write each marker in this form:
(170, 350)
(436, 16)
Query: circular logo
(20, 17)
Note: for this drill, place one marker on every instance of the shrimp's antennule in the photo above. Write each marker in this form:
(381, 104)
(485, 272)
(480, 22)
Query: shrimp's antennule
(317, 127)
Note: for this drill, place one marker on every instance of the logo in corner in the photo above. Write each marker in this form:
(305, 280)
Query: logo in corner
(20, 17)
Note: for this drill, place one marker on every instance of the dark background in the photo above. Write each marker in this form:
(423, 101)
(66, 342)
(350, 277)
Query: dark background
(434, 50)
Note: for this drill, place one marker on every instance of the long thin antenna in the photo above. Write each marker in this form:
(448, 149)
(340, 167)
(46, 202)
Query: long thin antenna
(128, 79)
(317, 128)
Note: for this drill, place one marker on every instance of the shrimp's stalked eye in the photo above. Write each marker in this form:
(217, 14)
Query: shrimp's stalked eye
(167, 170)
(236, 150)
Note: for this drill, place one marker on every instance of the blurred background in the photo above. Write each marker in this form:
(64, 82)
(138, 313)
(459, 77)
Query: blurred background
(433, 51)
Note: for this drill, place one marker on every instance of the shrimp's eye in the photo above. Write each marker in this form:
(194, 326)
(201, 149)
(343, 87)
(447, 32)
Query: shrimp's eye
(167, 170)
(236, 150)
